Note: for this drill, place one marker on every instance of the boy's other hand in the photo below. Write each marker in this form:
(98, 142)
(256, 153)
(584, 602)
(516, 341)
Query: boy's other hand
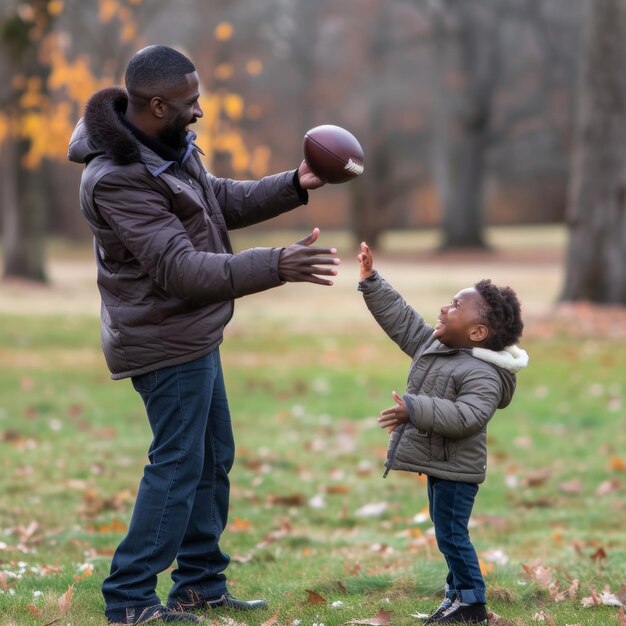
(366, 262)
(392, 418)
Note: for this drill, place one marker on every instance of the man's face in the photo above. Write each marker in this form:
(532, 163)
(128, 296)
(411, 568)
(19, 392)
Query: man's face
(458, 319)
(182, 109)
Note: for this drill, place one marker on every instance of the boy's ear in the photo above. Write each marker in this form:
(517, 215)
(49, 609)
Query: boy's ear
(478, 333)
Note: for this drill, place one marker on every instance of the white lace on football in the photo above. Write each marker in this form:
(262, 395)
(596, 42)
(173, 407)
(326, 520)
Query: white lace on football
(354, 167)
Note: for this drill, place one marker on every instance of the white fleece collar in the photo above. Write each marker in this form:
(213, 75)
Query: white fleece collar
(512, 358)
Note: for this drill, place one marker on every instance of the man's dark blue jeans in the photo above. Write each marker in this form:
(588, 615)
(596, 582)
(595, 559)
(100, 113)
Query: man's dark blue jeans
(182, 502)
(450, 505)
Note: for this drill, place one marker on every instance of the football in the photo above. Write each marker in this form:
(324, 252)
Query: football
(333, 153)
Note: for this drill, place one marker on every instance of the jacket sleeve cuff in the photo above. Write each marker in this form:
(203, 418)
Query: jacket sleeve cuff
(303, 194)
(370, 283)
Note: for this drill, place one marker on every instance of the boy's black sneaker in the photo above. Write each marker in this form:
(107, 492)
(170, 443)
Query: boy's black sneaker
(458, 613)
(149, 614)
(432, 619)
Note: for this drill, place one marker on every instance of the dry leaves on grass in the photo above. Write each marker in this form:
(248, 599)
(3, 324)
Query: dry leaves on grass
(493, 619)
(544, 577)
(64, 602)
(314, 598)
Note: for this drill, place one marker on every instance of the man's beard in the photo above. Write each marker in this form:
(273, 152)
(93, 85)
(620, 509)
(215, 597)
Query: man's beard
(174, 134)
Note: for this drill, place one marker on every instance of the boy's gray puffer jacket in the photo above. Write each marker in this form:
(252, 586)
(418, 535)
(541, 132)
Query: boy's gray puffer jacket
(451, 393)
(167, 274)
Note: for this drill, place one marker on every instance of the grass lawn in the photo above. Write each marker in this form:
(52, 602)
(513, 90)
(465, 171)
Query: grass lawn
(314, 528)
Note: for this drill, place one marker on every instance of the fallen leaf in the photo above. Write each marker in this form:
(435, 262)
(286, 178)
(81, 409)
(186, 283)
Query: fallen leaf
(493, 619)
(382, 618)
(541, 574)
(115, 526)
(34, 611)
(608, 487)
(293, 500)
(26, 533)
(617, 464)
(542, 616)
(375, 509)
(599, 555)
(537, 478)
(605, 597)
(239, 525)
(242, 559)
(337, 490)
(574, 486)
(65, 601)
(314, 597)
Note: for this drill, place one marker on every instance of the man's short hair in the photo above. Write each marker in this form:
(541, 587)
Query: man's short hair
(155, 69)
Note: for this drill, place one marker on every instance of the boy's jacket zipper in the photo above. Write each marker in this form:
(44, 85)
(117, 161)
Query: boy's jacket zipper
(392, 453)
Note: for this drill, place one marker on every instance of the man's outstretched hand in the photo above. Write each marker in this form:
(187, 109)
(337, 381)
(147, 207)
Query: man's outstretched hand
(302, 262)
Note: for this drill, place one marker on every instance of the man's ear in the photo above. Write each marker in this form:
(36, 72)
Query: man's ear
(478, 333)
(157, 106)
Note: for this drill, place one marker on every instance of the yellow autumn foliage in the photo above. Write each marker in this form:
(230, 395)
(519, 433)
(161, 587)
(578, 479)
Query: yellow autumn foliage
(223, 31)
(254, 67)
(224, 71)
(233, 106)
(55, 7)
(47, 113)
(260, 161)
(74, 77)
(107, 10)
(4, 128)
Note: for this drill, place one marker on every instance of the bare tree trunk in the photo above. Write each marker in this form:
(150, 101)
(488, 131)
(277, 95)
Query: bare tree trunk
(23, 216)
(596, 253)
(368, 207)
(460, 150)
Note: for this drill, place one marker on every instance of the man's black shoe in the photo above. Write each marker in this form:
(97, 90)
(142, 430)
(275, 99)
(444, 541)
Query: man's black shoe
(459, 613)
(149, 614)
(195, 602)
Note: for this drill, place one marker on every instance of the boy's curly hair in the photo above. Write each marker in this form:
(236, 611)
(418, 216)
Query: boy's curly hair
(502, 312)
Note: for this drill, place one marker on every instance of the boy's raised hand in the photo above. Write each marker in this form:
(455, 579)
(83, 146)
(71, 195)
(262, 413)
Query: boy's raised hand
(366, 261)
(396, 415)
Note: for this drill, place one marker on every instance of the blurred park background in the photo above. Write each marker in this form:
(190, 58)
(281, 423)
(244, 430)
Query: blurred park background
(495, 142)
(471, 114)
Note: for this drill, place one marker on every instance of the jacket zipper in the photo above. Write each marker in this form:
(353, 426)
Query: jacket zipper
(392, 453)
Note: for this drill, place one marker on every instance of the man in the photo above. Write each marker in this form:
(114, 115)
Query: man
(168, 277)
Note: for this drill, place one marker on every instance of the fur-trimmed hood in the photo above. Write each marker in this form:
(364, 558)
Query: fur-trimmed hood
(100, 130)
(512, 359)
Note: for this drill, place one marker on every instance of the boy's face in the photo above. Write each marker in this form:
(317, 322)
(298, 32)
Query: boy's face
(459, 323)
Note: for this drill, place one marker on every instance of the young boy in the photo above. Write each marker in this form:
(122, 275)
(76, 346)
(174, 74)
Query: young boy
(462, 370)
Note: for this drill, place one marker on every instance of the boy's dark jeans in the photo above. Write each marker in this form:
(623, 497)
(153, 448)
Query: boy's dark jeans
(182, 502)
(450, 506)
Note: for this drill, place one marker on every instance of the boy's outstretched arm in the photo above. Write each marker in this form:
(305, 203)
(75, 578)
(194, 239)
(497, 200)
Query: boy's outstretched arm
(366, 262)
